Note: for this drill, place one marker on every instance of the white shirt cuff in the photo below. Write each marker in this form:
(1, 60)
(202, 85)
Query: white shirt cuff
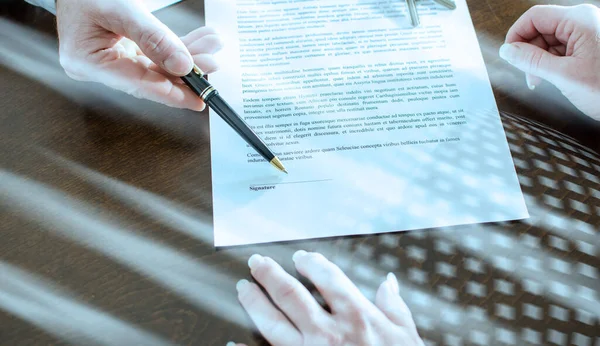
(153, 5)
(49, 5)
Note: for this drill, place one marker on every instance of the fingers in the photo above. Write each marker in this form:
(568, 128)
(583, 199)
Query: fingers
(270, 322)
(542, 19)
(540, 42)
(337, 289)
(202, 53)
(288, 293)
(206, 62)
(548, 43)
(534, 60)
(125, 68)
(138, 78)
(551, 40)
(202, 44)
(123, 46)
(209, 44)
(560, 50)
(532, 81)
(198, 34)
(153, 38)
(535, 42)
(391, 304)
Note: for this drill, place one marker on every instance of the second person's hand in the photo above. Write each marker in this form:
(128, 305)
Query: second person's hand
(561, 45)
(353, 319)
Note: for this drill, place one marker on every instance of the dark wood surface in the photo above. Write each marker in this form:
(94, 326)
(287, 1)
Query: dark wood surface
(105, 209)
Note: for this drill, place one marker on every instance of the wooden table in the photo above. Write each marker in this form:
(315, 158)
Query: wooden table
(105, 216)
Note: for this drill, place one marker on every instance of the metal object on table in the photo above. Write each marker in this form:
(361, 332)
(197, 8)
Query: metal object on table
(414, 15)
(449, 4)
(412, 11)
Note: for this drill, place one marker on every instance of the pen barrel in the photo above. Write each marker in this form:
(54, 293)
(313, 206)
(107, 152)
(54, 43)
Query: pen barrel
(211, 97)
(196, 82)
(216, 103)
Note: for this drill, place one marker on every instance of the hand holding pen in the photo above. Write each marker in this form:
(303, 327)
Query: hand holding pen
(120, 49)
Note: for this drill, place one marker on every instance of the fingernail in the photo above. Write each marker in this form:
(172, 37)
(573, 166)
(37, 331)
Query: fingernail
(393, 281)
(507, 52)
(530, 85)
(241, 285)
(255, 260)
(231, 343)
(298, 254)
(178, 63)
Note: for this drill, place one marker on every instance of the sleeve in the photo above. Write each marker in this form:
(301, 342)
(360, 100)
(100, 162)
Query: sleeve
(49, 5)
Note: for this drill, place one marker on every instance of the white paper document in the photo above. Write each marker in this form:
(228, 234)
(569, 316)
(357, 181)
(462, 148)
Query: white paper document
(382, 127)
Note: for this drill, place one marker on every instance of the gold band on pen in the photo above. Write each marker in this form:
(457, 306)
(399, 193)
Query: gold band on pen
(204, 94)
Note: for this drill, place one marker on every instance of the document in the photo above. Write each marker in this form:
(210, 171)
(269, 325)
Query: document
(382, 127)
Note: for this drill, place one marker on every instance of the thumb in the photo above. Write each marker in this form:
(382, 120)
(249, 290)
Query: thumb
(389, 302)
(158, 42)
(532, 60)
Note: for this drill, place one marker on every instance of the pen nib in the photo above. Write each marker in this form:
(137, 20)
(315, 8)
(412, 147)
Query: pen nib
(275, 162)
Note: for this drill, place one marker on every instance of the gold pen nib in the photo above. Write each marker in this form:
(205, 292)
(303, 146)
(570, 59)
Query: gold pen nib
(275, 162)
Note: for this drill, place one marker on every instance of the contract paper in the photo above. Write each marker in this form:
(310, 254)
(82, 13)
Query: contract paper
(382, 127)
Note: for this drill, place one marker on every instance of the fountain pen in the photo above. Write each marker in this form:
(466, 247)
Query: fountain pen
(200, 86)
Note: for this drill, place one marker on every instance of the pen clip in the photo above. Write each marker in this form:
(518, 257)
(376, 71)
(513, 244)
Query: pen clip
(198, 71)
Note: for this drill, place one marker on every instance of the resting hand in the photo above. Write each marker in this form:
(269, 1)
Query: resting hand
(561, 45)
(119, 43)
(353, 320)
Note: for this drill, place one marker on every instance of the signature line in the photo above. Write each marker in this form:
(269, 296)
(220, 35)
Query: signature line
(293, 182)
